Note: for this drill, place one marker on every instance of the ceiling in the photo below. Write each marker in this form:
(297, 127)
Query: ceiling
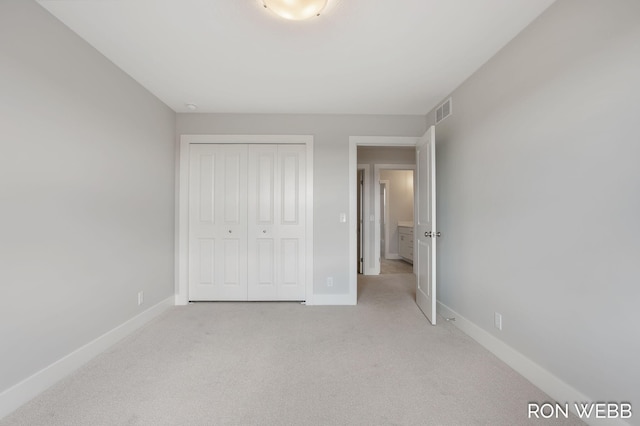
(358, 57)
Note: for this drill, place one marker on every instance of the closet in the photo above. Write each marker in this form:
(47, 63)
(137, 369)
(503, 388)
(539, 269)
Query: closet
(246, 222)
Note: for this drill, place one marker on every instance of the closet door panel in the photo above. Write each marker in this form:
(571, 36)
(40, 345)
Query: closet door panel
(290, 191)
(234, 186)
(262, 276)
(291, 221)
(262, 230)
(232, 214)
(205, 181)
(217, 222)
(276, 222)
(265, 181)
(206, 255)
(290, 261)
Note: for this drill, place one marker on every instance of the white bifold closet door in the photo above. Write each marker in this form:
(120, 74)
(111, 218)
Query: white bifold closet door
(218, 222)
(247, 222)
(277, 222)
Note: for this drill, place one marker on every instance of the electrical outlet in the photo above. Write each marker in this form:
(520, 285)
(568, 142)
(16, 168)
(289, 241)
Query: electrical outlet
(497, 320)
(329, 281)
(140, 297)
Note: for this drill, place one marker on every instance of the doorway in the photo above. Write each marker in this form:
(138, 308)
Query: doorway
(396, 212)
(389, 200)
(424, 147)
(354, 142)
(390, 144)
(397, 230)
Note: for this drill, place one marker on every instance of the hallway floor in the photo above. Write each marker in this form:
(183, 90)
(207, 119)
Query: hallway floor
(389, 266)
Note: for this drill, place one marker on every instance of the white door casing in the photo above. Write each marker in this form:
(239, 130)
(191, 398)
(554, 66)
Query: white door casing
(366, 253)
(359, 223)
(425, 226)
(217, 222)
(384, 218)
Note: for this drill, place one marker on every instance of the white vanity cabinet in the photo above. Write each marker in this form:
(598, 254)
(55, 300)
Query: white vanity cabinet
(405, 242)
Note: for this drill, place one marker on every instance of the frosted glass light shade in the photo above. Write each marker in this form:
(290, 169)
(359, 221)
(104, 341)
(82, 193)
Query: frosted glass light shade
(295, 9)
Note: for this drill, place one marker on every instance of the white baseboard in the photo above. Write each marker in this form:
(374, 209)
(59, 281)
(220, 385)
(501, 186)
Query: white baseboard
(392, 256)
(543, 379)
(21, 393)
(331, 299)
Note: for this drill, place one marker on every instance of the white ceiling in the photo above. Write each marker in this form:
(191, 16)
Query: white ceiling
(359, 57)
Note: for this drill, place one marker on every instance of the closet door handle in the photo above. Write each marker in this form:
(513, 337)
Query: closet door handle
(230, 231)
(264, 231)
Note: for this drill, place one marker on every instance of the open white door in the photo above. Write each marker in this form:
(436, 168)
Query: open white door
(426, 225)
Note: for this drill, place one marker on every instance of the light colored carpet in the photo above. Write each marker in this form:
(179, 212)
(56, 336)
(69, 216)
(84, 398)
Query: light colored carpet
(392, 266)
(378, 363)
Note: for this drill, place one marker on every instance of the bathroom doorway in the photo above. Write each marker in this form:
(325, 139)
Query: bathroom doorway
(396, 210)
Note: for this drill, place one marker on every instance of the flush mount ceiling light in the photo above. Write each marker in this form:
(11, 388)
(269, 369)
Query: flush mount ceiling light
(295, 9)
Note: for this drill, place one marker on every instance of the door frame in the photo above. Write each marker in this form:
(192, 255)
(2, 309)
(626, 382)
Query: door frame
(182, 203)
(384, 217)
(366, 212)
(354, 143)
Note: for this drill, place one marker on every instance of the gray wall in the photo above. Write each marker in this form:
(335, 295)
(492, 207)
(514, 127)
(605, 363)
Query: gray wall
(539, 196)
(86, 193)
(331, 160)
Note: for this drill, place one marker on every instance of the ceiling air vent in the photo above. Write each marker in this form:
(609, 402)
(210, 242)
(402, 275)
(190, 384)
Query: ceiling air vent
(443, 111)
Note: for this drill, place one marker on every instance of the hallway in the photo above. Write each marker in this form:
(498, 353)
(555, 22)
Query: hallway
(392, 266)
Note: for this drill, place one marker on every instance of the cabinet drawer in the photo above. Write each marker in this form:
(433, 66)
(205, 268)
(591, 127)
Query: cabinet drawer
(404, 230)
(406, 239)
